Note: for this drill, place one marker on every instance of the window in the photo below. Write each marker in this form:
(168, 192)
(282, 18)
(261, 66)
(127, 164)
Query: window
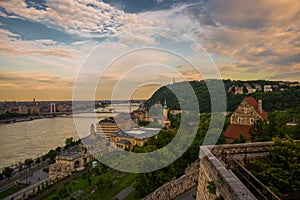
(251, 121)
(240, 120)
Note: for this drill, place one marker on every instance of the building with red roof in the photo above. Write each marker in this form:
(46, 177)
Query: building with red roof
(248, 112)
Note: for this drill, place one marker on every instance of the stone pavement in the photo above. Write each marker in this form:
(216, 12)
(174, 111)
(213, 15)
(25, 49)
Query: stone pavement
(35, 177)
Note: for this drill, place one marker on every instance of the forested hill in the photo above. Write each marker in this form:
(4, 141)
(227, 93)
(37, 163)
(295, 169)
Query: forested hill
(282, 97)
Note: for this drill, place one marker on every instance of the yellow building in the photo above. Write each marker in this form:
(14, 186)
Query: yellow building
(123, 140)
(35, 109)
(23, 109)
(65, 164)
(107, 126)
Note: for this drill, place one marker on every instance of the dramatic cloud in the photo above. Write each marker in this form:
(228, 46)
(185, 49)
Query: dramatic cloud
(87, 18)
(247, 39)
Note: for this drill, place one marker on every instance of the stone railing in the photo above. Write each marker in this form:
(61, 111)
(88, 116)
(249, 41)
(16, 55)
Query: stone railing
(225, 183)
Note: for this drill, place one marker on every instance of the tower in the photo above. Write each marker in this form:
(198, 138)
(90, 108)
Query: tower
(52, 108)
(129, 106)
(166, 122)
(92, 130)
(165, 111)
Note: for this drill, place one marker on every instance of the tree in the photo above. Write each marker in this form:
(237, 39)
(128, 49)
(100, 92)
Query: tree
(102, 183)
(256, 129)
(52, 154)
(281, 168)
(69, 143)
(28, 162)
(8, 172)
(89, 180)
(62, 192)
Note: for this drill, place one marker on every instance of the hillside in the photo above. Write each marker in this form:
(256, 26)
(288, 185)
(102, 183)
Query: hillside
(282, 97)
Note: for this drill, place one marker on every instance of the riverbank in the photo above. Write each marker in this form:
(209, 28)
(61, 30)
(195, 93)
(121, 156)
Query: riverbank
(24, 119)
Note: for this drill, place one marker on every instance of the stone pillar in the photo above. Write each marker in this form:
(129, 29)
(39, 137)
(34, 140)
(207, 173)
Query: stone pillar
(260, 105)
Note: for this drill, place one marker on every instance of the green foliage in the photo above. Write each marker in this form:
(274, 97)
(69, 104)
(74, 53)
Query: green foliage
(211, 188)
(51, 155)
(69, 143)
(276, 126)
(281, 168)
(256, 129)
(219, 198)
(273, 101)
(9, 115)
(63, 192)
(28, 162)
(148, 182)
(7, 172)
(242, 139)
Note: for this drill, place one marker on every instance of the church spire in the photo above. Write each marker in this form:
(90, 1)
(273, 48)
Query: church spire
(165, 104)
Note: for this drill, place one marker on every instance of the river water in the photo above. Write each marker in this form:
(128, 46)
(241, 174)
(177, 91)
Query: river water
(31, 139)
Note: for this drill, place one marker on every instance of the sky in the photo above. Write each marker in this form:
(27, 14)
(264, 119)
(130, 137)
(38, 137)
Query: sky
(47, 46)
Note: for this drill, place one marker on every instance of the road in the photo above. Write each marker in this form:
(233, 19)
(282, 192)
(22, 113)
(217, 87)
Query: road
(4, 184)
(25, 190)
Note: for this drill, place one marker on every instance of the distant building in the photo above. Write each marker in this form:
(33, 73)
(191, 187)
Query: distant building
(175, 112)
(107, 126)
(295, 84)
(14, 110)
(52, 108)
(23, 109)
(138, 115)
(34, 109)
(268, 88)
(244, 117)
(238, 90)
(230, 89)
(258, 87)
(275, 87)
(61, 108)
(250, 89)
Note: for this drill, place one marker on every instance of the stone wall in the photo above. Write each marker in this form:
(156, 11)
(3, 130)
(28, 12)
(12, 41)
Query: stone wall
(178, 186)
(242, 152)
(244, 114)
(226, 184)
(211, 170)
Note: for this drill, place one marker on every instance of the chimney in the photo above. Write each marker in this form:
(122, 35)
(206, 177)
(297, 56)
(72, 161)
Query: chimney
(260, 105)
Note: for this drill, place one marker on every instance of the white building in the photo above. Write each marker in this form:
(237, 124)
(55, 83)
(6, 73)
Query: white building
(268, 88)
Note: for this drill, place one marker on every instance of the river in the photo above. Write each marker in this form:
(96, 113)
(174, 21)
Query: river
(31, 139)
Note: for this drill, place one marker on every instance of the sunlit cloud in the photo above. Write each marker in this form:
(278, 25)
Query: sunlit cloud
(250, 39)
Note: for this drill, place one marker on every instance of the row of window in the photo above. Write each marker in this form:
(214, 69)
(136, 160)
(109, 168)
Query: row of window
(251, 120)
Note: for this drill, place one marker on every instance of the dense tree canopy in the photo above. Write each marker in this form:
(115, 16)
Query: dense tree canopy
(280, 170)
(277, 126)
(148, 182)
(272, 101)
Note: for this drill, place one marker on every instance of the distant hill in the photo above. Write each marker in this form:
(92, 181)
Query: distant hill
(282, 97)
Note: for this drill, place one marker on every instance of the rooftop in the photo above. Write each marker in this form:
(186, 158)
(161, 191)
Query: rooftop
(68, 155)
(235, 130)
(254, 103)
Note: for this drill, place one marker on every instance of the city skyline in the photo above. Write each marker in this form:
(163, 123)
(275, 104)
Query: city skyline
(44, 43)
